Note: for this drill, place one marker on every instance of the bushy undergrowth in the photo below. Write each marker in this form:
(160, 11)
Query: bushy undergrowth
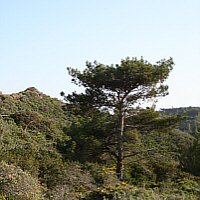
(17, 184)
(76, 183)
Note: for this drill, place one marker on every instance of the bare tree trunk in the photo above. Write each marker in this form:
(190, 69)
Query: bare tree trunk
(120, 159)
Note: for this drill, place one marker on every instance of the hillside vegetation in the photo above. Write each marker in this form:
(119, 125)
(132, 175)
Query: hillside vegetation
(51, 150)
(188, 125)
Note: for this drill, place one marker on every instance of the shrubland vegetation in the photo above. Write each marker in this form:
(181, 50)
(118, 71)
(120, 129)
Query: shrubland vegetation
(56, 150)
(188, 125)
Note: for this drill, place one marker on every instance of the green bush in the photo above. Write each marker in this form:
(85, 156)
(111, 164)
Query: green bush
(137, 173)
(165, 170)
(32, 122)
(17, 184)
(108, 192)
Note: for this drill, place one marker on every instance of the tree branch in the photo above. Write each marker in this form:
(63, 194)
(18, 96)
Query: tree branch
(111, 152)
(109, 143)
(135, 114)
(139, 152)
(148, 157)
(138, 126)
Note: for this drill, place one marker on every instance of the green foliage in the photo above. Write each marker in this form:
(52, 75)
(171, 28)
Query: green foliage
(119, 191)
(119, 88)
(166, 147)
(39, 135)
(31, 151)
(179, 190)
(76, 182)
(164, 170)
(17, 184)
(189, 124)
(137, 173)
(31, 140)
(190, 159)
(120, 80)
(96, 170)
(32, 122)
(89, 131)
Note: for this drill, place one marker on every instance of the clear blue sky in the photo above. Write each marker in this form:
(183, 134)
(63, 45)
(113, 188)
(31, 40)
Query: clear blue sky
(40, 38)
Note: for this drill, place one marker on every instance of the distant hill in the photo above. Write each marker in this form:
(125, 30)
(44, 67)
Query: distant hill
(188, 125)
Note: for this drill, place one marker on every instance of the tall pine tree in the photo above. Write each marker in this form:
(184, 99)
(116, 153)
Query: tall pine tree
(120, 88)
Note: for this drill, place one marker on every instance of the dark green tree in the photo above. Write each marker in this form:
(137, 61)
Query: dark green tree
(190, 159)
(88, 130)
(120, 89)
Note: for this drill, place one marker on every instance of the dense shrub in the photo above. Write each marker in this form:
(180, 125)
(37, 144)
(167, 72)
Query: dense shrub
(76, 182)
(137, 173)
(31, 152)
(190, 158)
(31, 121)
(165, 171)
(17, 184)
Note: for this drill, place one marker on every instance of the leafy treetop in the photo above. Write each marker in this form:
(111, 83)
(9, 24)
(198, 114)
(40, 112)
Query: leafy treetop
(126, 84)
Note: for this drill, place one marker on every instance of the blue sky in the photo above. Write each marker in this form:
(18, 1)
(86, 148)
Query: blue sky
(40, 38)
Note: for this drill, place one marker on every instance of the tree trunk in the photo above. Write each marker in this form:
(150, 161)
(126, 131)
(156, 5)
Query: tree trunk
(120, 159)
